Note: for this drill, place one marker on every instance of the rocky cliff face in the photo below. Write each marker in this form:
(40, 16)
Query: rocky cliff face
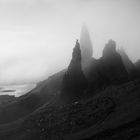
(137, 65)
(113, 67)
(74, 81)
(85, 45)
(130, 67)
(109, 69)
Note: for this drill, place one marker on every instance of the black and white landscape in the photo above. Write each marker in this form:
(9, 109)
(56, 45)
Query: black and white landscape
(70, 70)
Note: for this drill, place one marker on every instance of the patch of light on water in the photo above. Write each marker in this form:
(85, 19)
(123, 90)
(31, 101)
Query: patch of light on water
(16, 90)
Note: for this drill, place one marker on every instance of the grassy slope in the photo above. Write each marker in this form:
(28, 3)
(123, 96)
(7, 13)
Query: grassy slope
(96, 115)
(127, 99)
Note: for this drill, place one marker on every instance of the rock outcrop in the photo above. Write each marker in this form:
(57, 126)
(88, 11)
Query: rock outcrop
(113, 67)
(137, 65)
(74, 82)
(109, 69)
(85, 45)
(130, 67)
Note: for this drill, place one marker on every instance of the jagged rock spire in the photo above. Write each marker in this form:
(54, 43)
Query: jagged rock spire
(110, 48)
(75, 63)
(86, 45)
(74, 81)
(114, 68)
(76, 55)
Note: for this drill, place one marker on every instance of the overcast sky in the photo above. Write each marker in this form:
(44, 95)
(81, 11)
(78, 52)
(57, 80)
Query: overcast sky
(37, 36)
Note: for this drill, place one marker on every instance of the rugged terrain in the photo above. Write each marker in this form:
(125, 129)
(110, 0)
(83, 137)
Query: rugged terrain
(111, 114)
(91, 99)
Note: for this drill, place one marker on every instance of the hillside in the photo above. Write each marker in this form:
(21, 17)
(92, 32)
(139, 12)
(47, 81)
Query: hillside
(109, 110)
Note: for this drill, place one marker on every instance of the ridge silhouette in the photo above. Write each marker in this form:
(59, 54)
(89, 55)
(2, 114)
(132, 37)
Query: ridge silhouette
(130, 67)
(74, 81)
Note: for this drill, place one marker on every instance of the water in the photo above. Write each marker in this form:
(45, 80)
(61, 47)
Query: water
(16, 90)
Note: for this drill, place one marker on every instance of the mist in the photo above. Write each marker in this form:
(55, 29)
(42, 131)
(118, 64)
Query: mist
(37, 36)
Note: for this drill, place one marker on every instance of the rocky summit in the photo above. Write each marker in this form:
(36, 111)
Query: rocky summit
(113, 67)
(109, 69)
(74, 81)
(86, 46)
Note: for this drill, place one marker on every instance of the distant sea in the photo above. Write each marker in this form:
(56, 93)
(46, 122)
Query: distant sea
(16, 90)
